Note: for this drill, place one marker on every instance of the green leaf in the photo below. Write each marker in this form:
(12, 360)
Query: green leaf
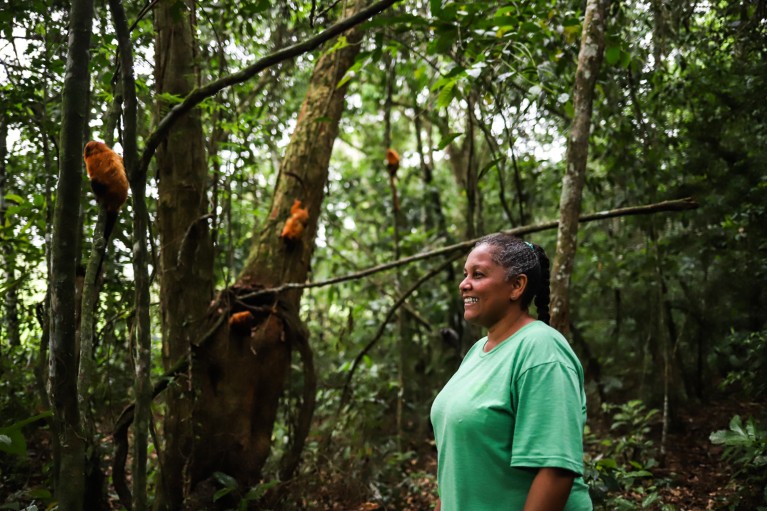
(612, 55)
(341, 42)
(221, 493)
(625, 59)
(258, 491)
(13, 442)
(445, 141)
(446, 95)
(225, 480)
(12, 439)
(353, 69)
(608, 463)
(39, 493)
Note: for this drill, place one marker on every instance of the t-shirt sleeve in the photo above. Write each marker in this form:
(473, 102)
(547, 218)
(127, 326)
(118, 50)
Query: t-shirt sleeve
(548, 426)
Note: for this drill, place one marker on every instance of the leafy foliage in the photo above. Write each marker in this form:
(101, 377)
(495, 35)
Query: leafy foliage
(618, 471)
(481, 101)
(745, 447)
(747, 359)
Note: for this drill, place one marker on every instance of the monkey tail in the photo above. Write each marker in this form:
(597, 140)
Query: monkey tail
(109, 225)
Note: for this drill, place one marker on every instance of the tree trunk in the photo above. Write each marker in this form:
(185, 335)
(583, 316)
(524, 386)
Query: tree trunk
(240, 371)
(141, 326)
(186, 249)
(70, 466)
(11, 318)
(589, 60)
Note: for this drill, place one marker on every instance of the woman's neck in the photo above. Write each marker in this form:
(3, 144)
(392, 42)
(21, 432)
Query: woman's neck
(507, 327)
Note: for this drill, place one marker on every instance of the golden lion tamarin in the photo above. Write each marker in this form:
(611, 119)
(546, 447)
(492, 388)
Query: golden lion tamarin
(241, 322)
(294, 225)
(392, 161)
(108, 180)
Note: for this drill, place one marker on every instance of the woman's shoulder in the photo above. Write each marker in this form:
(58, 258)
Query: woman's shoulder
(541, 344)
(539, 333)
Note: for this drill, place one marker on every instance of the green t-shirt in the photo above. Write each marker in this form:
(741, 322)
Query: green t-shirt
(519, 406)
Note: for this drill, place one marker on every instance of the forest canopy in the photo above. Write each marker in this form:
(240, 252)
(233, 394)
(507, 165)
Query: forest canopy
(278, 301)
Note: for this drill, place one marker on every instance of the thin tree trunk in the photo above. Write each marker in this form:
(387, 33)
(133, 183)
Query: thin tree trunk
(589, 60)
(87, 290)
(69, 478)
(11, 319)
(433, 216)
(402, 324)
(141, 329)
(186, 254)
(43, 309)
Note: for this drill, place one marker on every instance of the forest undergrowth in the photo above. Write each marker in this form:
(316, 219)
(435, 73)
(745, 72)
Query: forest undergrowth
(692, 476)
(624, 444)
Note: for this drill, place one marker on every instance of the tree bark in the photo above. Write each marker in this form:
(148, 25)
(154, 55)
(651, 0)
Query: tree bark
(589, 60)
(240, 373)
(11, 318)
(69, 468)
(186, 253)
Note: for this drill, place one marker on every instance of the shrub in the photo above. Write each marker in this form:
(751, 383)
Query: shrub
(745, 447)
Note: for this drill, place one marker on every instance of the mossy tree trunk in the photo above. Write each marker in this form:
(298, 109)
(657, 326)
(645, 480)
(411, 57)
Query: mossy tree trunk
(185, 245)
(69, 467)
(589, 60)
(240, 374)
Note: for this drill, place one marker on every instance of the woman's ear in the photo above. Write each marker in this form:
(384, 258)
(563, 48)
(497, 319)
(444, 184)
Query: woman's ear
(518, 286)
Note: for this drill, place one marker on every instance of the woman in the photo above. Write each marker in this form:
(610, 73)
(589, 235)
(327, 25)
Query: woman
(509, 423)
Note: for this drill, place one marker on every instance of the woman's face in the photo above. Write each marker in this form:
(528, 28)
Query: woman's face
(487, 296)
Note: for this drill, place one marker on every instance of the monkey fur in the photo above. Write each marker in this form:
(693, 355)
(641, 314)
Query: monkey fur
(241, 323)
(108, 180)
(392, 161)
(294, 225)
(109, 183)
(392, 164)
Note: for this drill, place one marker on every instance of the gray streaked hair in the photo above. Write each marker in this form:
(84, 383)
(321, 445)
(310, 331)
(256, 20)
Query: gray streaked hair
(519, 257)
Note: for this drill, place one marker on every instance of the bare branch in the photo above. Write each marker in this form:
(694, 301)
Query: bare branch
(672, 205)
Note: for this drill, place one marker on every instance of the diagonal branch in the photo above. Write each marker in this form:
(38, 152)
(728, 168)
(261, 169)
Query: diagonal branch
(347, 390)
(671, 205)
(199, 94)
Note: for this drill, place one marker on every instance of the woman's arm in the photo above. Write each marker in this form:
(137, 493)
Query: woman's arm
(439, 505)
(550, 490)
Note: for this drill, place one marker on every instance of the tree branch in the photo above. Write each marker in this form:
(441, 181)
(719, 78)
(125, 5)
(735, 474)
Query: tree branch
(347, 390)
(199, 94)
(672, 205)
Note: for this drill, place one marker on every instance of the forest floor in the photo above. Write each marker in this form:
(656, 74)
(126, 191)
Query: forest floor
(699, 480)
(692, 478)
